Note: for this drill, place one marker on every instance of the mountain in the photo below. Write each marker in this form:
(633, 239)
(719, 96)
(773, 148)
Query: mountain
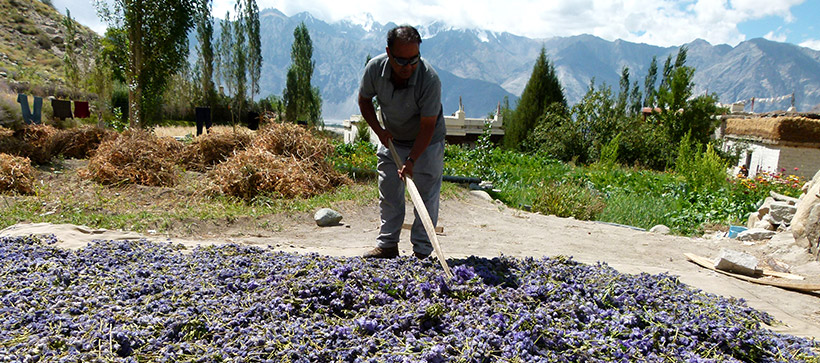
(483, 67)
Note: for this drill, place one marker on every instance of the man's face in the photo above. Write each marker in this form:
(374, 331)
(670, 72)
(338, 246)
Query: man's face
(404, 58)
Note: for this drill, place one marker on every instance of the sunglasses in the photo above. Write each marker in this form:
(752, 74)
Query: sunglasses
(407, 61)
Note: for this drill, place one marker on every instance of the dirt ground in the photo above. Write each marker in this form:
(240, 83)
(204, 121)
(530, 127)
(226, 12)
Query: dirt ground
(477, 226)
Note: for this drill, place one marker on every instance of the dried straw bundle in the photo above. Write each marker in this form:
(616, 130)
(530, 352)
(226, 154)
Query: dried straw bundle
(256, 171)
(31, 141)
(292, 140)
(136, 157)
(284, 160)
(213, 148)
(81, 142)
(792, 129)
(16, 174)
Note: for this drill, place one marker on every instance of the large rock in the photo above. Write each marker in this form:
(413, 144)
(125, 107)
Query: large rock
(660, 229)
(765, 223)
(755, 234)
(754, 219)
(327, 217)
(737, 262)
(805, 224)
(782, 212)
(783, 198)
(764, 208)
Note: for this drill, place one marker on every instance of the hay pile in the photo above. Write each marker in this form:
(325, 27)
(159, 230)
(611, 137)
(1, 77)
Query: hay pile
(32, 142)
(284, 160)
(791, 129)
(136, 157)
(80, 142)
(16, 174)
(213, 148)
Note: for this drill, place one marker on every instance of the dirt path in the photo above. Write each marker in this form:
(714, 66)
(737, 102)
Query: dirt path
(474, 226)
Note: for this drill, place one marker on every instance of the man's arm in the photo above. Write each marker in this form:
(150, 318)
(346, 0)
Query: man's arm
(426, 130)
(369, 114)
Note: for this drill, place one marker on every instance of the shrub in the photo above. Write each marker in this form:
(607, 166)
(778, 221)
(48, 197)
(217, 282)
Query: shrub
(136, 157)
(568, 199)
(16, 174)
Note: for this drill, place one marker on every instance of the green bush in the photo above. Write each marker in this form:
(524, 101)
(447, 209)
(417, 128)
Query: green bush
(568, 199)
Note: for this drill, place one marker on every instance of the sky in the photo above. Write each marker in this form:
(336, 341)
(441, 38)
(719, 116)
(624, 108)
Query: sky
(655, 22)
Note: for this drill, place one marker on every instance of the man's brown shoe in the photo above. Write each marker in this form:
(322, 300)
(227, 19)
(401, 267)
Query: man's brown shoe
(379, 252)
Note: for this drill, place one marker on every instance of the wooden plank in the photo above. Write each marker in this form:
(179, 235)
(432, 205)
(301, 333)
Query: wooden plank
(439, 229)
(423, 214)
(709, 264)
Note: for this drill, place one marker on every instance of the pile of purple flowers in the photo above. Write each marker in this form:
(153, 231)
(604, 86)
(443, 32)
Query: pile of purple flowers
(141, 301)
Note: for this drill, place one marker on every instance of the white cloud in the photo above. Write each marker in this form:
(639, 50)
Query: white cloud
(658, 22)
(774, 35)
(811, 43)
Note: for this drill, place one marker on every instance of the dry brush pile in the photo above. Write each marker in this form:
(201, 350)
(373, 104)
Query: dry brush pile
(16, 174)
(280, 160)
(283, 160)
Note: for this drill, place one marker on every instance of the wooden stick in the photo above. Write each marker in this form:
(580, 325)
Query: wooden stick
(707, 263)
(422, 211)
(439, 229)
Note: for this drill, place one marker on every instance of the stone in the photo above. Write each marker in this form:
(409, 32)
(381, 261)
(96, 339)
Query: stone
(481, 195)
(737, 262)
(661, 229)
(782, 212)
(805, 224)
(327, 217)
(755, 234)
(783, 198)
(765, 223)
(754, 218)
(764, 208)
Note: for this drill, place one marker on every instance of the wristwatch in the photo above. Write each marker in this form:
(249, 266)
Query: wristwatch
(409, 159)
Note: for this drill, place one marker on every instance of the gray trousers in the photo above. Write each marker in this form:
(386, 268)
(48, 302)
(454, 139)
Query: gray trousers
(427, 172)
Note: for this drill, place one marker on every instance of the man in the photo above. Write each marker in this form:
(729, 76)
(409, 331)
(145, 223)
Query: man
(408, 91)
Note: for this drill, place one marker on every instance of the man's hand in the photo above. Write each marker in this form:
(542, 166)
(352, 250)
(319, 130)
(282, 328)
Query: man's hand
(384, 136)
(406, 169)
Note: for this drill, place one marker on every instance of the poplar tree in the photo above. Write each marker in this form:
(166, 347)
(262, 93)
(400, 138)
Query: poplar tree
(254, 46)
(70, 66)
(205, 61)
(649, 83)
(542, 90)
(302, 101)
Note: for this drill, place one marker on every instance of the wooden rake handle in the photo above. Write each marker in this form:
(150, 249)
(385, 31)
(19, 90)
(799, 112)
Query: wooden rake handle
(421, 209)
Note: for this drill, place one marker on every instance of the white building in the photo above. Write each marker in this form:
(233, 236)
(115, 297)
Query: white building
(788, 144)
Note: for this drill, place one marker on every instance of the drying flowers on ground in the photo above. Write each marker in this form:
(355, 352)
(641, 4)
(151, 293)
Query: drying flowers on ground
(137, 301)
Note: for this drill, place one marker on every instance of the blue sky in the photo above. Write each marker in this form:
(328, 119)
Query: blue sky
(656, 22)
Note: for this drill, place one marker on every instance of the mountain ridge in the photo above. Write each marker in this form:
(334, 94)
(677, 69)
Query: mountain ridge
(502, 63)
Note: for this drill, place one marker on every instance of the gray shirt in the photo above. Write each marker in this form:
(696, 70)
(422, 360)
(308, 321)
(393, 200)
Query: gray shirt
(403, 108)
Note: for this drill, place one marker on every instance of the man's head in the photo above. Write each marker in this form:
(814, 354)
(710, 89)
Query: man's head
(403, 48)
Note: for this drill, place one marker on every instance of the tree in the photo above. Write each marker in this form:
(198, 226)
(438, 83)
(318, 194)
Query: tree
(254, 46)
(70, 66)
(225, 46)
(542, 90)
(649, 83)
(623, 91)
(205, 61)
(239, 63)
(157, 48)
(302, 101)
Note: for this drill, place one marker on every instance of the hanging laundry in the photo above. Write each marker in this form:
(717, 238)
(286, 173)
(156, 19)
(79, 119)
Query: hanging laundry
(38, 110)
(23, 101)
(81, 109)
(62, 109)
